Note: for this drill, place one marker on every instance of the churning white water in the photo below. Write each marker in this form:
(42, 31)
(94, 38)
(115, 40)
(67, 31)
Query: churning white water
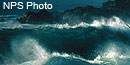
(114, 22)
(28, 51)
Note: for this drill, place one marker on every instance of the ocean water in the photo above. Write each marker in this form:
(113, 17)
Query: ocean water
(103, 42)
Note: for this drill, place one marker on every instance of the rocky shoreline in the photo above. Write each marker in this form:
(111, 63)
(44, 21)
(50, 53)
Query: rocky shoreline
(119, 8)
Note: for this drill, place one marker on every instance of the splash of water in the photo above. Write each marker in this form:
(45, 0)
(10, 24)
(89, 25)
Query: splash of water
(32, 53)
(29, 51)
(115, 54)
(114, 22)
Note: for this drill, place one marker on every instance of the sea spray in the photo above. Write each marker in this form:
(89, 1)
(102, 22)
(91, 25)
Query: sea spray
(114, 53)
(113, 22)
(29, 50)
(32, 44)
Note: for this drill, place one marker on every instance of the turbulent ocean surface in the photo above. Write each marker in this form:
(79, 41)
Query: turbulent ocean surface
(102, 42)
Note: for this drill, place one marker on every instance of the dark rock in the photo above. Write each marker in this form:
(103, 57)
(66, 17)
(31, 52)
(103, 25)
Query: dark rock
(24, 18)
(41, 17)
(79, 14)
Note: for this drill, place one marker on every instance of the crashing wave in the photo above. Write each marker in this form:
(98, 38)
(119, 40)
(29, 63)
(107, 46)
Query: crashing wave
(115, 54)
(34, 54)
(113, 22)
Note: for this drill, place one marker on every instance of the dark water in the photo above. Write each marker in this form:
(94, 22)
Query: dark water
(98, 43)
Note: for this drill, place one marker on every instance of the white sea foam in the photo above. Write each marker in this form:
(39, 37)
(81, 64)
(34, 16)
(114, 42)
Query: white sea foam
(32, 53)
(115, 54)
(113, 22)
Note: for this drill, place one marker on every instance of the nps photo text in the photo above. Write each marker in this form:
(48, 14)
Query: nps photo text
(27, 5)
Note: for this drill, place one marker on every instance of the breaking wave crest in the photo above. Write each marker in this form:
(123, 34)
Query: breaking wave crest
(29, 52)
(65, 44)
(114, 53)
(114, 22)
